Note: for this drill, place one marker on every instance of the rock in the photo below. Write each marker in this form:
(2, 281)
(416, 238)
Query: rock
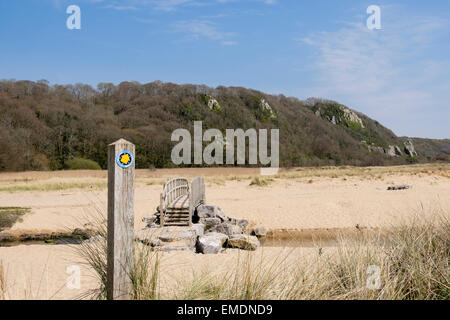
(227, 228)
(242, 223)
(210, 222)
(242, 241)
(222, 237)
(208, 245)
(149, 220)
(398, 151)
(391, 151)
(409, 148)
(199, 229)
(259, 232)
(157, 237)
(204, 211)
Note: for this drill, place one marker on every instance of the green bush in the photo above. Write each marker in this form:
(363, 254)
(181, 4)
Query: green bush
(82, 164)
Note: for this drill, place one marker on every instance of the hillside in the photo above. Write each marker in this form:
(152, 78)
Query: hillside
(44, 127)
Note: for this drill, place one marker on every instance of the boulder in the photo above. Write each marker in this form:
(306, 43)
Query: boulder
(210, 243)
(259, 232)
(210, 222)
(199, 229)
(157, 237)
(222, 237)
(242, 223)
(242, 241)
(204, 211)
(227, 228)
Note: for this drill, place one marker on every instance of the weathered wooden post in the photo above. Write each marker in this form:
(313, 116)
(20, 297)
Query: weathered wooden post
(120, 219)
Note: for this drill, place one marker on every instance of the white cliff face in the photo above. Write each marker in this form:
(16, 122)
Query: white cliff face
(213, 104)
(266, 106)
(352, 116)
(347, 116)
(409, 148)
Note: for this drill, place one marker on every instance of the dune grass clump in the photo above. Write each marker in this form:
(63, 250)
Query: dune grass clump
(260, 182)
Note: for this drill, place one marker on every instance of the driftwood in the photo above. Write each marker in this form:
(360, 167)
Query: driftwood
(400, 187)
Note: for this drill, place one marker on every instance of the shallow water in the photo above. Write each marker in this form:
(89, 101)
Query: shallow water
(40, 242)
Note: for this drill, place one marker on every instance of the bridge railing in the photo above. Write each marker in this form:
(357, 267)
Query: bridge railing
(180, 187)
(172, 190)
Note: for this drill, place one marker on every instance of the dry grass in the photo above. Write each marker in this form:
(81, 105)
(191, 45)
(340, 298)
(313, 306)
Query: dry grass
(441, 169)
(53, 186)
(261, 181)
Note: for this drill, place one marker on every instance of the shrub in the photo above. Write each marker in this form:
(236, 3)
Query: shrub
(82, 164)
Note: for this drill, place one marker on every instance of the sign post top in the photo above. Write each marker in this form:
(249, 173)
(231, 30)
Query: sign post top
(121, 141)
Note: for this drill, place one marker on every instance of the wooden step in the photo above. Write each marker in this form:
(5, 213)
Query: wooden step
(176, 224)
(176, 218)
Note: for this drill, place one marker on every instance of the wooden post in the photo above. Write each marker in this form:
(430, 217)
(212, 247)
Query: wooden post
(120, 220)
(161, 210)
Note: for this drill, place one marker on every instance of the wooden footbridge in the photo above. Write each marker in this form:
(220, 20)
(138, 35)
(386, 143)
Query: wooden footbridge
(179, 200)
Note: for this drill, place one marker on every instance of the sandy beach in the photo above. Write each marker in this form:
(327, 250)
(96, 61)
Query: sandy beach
(295, 199)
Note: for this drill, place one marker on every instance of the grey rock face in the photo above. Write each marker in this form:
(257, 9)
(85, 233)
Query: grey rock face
(243, 241)
(409, 148)
(391, 151)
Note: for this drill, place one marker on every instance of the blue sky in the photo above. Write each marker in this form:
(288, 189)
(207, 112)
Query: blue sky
(399, 75)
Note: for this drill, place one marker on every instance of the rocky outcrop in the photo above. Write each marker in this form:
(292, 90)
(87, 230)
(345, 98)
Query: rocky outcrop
(409, 148)
(339, 114)
(213, 104)
(351, 116)
(265, 106)
(393, 151)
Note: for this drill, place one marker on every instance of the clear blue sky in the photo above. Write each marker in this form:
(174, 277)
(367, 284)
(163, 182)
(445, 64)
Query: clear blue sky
(399, 75)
